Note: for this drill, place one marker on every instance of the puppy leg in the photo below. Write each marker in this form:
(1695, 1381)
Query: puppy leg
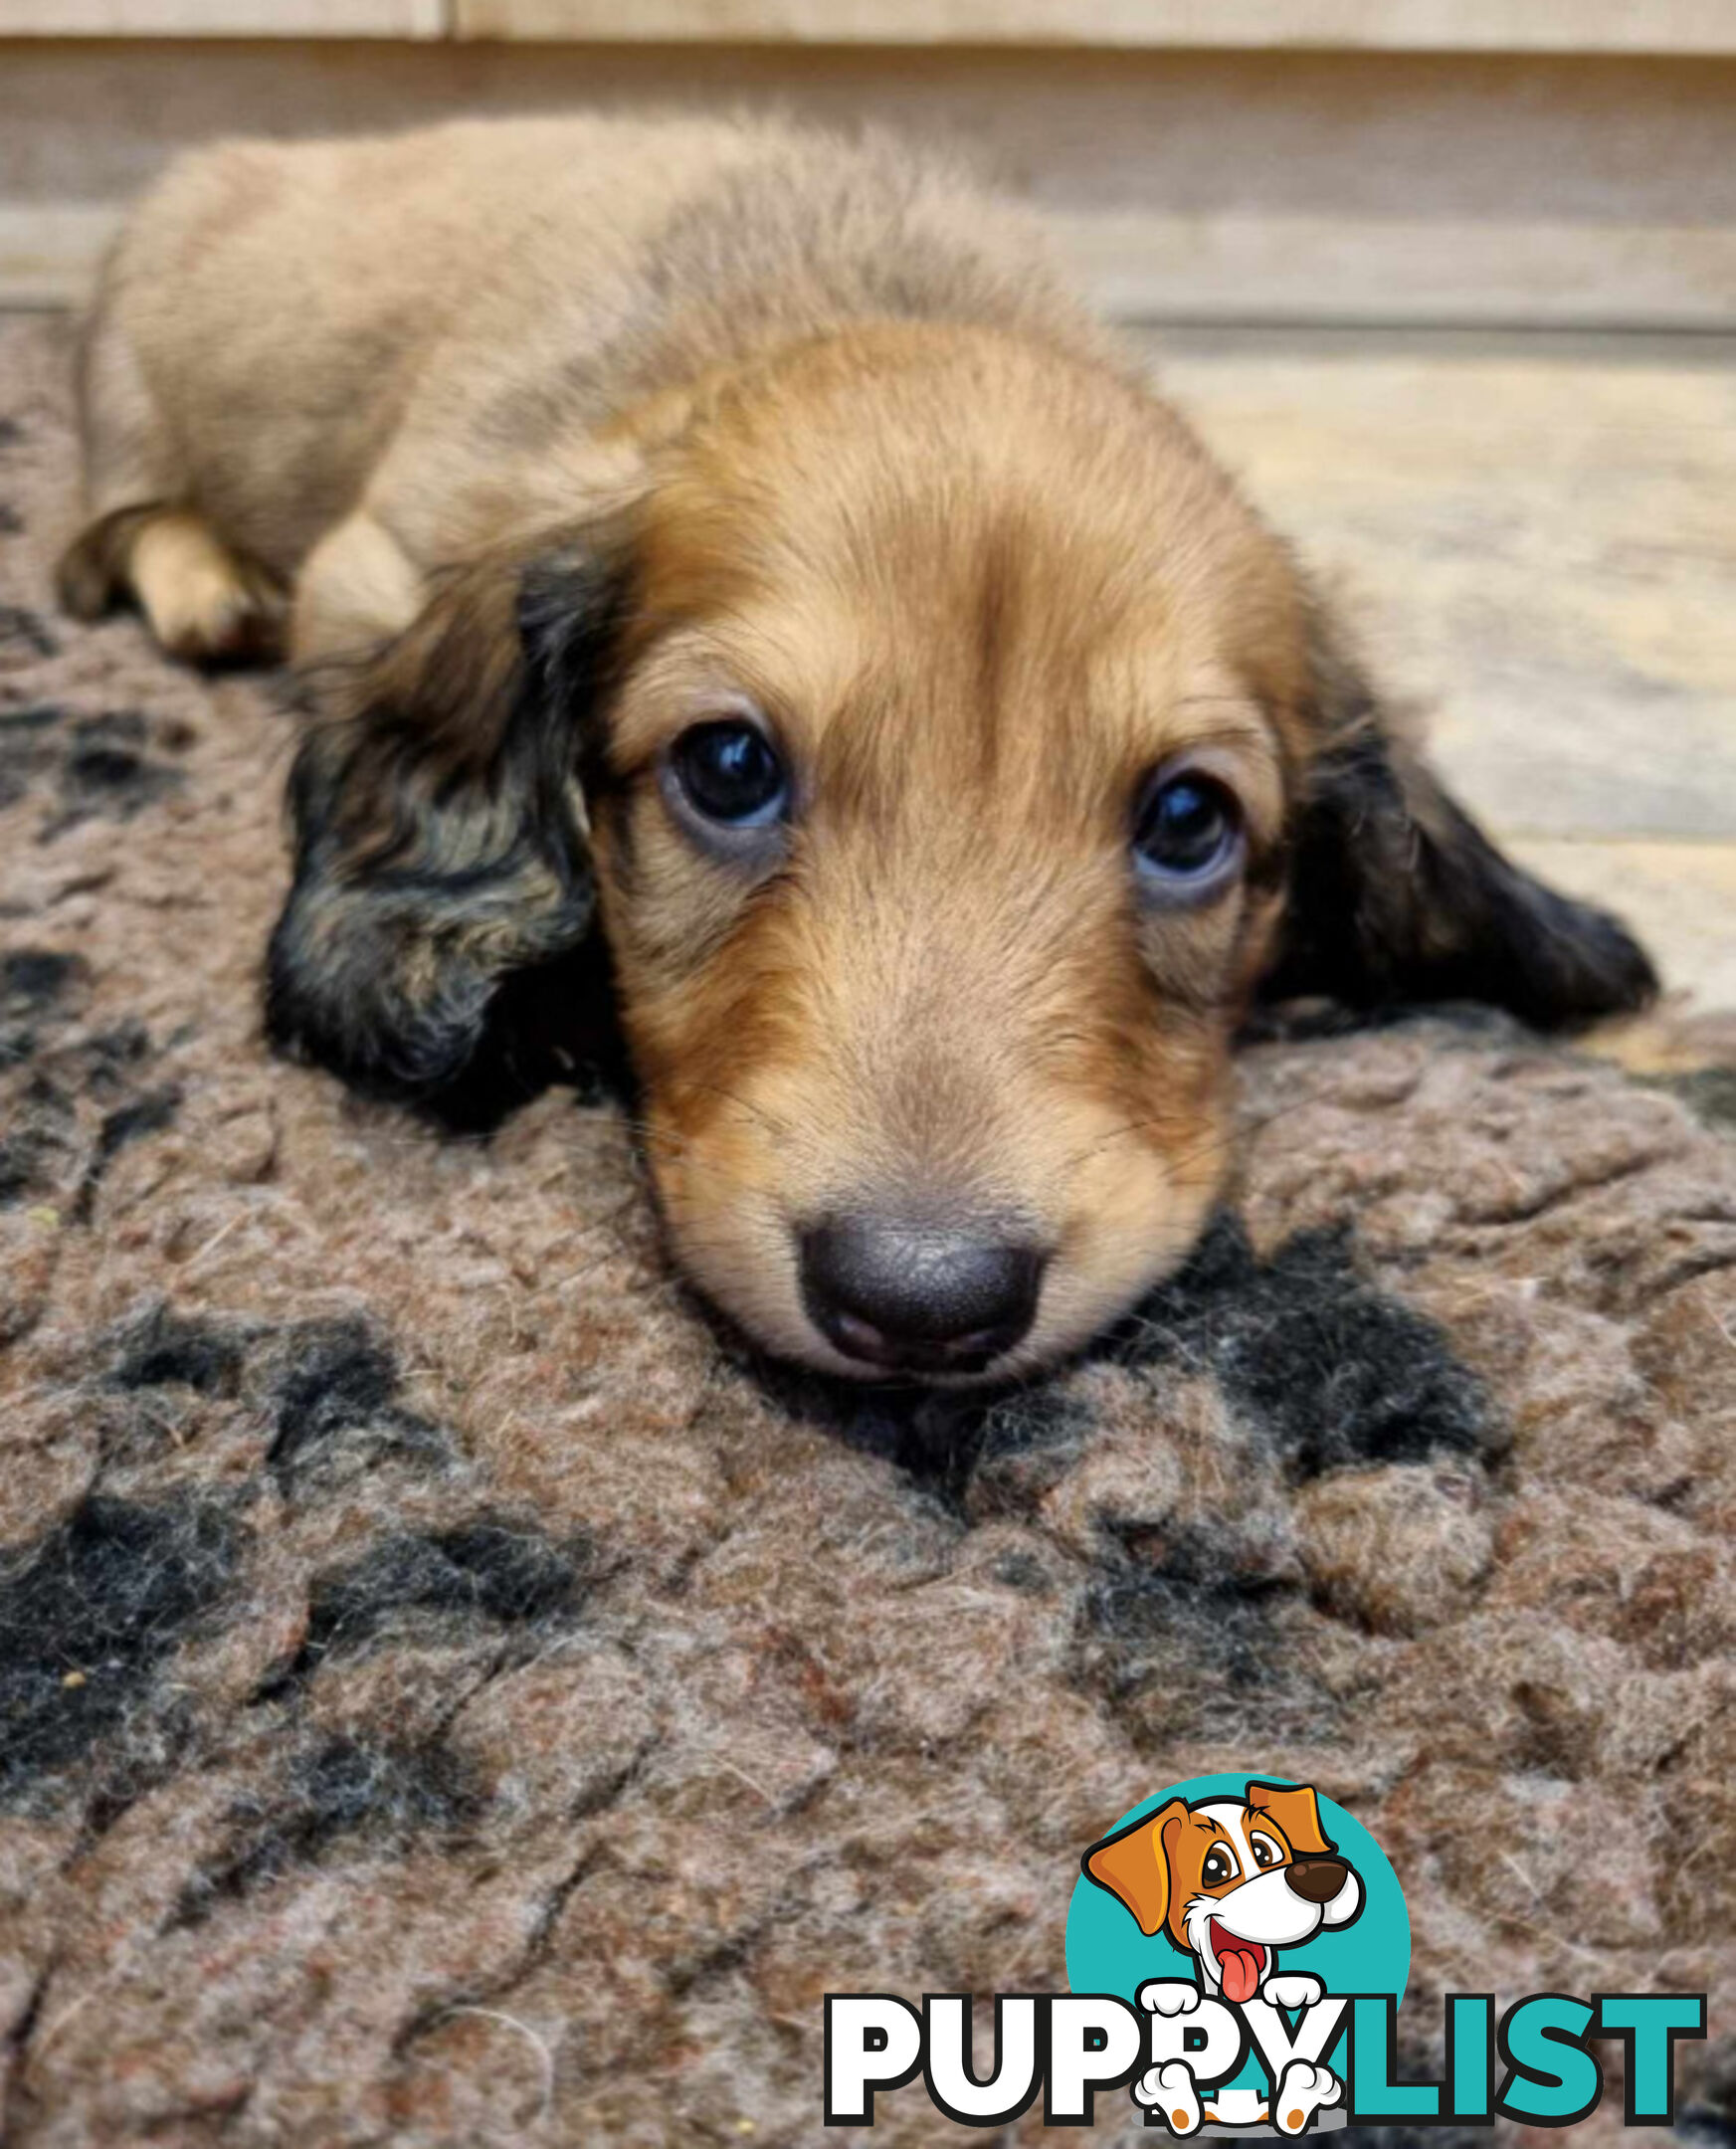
(357, 589)
(202, 602)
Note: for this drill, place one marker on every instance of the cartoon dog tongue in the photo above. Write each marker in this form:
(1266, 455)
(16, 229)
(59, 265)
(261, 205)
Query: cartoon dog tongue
(1238, 1967)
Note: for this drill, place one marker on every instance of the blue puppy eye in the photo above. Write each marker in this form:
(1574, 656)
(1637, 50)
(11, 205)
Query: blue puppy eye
(1187, 839)
(730, 773)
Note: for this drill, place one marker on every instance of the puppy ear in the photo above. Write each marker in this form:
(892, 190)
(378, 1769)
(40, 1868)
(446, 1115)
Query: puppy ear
(1133, 1864)
(1296, 1811)
(438, 822)
(1396, 893)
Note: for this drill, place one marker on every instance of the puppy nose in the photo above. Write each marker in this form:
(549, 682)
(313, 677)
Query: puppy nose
(1316, 1880)
(913, 1298)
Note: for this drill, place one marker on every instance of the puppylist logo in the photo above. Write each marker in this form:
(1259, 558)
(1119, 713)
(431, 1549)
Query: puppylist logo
(1237, 1949)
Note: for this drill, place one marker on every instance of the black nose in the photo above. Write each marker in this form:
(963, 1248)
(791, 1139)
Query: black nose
(1316, 1880)
(913, 1298)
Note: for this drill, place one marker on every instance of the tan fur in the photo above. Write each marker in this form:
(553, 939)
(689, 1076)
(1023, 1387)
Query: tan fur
(815, 426)
(1030, 1046)
(439, 329)
(203, 602)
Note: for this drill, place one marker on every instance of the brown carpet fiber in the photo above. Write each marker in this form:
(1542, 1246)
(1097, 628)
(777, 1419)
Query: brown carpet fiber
(448, 1696)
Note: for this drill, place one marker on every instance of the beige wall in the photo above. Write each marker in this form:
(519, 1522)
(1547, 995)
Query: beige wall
(1572, 26)
(1247, 183)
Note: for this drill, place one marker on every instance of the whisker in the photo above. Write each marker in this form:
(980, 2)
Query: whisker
(1247, 1128)
(1102, 1141)
(679, 1148)
(777, 1126)
(1239, 1132)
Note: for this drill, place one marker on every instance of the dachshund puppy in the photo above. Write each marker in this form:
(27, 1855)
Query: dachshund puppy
(736, 540)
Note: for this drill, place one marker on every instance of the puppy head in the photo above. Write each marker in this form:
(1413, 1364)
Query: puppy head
(943, 740)
(938, 845)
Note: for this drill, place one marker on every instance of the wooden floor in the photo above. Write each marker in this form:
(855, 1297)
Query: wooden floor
(1537, 540)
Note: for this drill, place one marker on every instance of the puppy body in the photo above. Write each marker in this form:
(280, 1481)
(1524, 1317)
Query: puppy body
(580, 441)
(365, 360)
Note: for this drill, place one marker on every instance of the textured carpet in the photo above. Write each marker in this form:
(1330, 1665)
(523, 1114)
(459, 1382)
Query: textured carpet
(448, 1696)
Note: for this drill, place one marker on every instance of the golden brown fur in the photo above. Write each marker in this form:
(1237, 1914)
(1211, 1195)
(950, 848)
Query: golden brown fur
(565, 436)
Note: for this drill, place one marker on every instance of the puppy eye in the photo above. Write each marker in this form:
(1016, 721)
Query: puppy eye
(1266, 1853)
(1187, 837)
(730, 773)
(1218, 1868)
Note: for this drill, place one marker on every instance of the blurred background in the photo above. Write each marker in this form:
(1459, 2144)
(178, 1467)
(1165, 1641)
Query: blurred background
(1451, 283)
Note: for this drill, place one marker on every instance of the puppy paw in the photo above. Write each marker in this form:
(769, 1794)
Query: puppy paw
(1169, 2092)
(1303, 2090)
(1166, 1996)
(1294, 1989)
(204, 605)
(218, 617)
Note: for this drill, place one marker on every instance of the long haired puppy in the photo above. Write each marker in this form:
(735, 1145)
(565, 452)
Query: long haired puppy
(734, 540)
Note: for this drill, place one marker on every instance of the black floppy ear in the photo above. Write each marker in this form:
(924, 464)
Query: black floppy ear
(438, 822)
(1396, 893)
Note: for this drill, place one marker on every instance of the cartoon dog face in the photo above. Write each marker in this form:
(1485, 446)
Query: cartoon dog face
(1231, 1880)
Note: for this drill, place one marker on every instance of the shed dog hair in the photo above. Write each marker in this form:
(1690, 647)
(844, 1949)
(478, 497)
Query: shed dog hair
(737, 538)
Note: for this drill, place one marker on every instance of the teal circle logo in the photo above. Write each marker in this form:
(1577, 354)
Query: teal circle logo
(1242, 1887)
